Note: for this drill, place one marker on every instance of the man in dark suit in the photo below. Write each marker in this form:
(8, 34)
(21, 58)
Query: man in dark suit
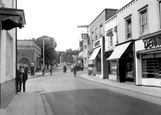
(24, 77)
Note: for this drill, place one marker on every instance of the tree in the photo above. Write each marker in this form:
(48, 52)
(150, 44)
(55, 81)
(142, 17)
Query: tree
(69, 55)
(49, 47)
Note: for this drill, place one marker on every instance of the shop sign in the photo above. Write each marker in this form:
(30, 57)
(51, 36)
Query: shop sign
(84, 36)
(97, 43)
(152, 42)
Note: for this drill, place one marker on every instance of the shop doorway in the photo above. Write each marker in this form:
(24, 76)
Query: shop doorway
(126, 66)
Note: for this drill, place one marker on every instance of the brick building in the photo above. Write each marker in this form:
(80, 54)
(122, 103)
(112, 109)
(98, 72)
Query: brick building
(29, 52)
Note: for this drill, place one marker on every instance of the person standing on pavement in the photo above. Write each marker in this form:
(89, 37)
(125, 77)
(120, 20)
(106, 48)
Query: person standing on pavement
(24, 77)
(32, 69)
(43, 70)
(74, 70)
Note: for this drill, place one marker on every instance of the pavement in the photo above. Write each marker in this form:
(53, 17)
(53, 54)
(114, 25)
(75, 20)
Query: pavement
(31, 103)
(26, 103)
(145, 90)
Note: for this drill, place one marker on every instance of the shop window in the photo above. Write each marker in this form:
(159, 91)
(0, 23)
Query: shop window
(144, 21)
(151, 65)
(98, 62)
(128, 28)
(113, 67)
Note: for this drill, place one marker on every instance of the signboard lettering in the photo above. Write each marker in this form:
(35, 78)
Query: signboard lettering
(152, 42)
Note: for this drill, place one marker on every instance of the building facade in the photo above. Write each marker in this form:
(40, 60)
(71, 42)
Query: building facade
(111, 40)
(10, 18)
(29, 52)
(137, 52)
(97, 61)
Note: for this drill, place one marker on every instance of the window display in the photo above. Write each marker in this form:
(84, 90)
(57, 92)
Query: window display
(113, 67)
(151, 65)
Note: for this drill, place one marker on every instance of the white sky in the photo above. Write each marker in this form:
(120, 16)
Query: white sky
(60, 18)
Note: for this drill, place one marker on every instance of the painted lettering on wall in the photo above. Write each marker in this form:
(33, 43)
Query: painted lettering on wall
(152, 42)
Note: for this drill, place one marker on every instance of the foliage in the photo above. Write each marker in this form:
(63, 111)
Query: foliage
(49, 49)
(68, 56)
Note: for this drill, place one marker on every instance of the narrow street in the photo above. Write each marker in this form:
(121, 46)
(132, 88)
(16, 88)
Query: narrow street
(67, 95)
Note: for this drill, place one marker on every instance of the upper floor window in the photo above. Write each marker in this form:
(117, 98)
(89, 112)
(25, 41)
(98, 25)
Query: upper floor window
(96, 33)
(160, 12)
(110, 38)
(128, 28)
(110, 41)
(101, 30)
(144, 21)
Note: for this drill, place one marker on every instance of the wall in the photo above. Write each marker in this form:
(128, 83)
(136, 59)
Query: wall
(7, 84)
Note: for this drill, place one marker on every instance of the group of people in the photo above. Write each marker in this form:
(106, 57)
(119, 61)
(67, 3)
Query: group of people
(73, 69)
(22, 76)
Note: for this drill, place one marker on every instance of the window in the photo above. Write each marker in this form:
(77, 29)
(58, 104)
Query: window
(8, 56)
(151, 65)
(128, 28)
(96, 33)
(110, 38)
(101, 30)
(144, 21)
(160, 12)
(110, 41)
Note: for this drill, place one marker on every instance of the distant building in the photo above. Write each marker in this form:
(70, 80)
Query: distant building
(29, 52)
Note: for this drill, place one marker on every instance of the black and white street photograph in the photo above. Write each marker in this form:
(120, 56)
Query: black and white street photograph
(80, 57)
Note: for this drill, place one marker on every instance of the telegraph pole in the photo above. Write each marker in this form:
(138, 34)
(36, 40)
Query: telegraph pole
(43, 53)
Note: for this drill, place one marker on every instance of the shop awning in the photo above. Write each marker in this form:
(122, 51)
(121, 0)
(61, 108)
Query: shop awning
(118, 51)
(95, 53)
(11, 18)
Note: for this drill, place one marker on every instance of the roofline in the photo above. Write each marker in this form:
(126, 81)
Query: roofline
(124, 6)
(101, 13)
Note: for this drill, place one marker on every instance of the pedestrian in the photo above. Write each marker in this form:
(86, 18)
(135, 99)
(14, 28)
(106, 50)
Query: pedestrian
(32, 69)
(18, 80)
(24, 77)
(50, 69)
(43, 70)
(74, 70)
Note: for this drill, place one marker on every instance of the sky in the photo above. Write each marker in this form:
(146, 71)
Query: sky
(60, 19)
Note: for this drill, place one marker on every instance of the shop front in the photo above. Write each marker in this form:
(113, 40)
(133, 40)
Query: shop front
(149, 60)
(95, 59)
(121, 63)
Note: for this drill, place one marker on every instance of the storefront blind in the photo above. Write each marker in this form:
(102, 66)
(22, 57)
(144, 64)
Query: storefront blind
(151, 65)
